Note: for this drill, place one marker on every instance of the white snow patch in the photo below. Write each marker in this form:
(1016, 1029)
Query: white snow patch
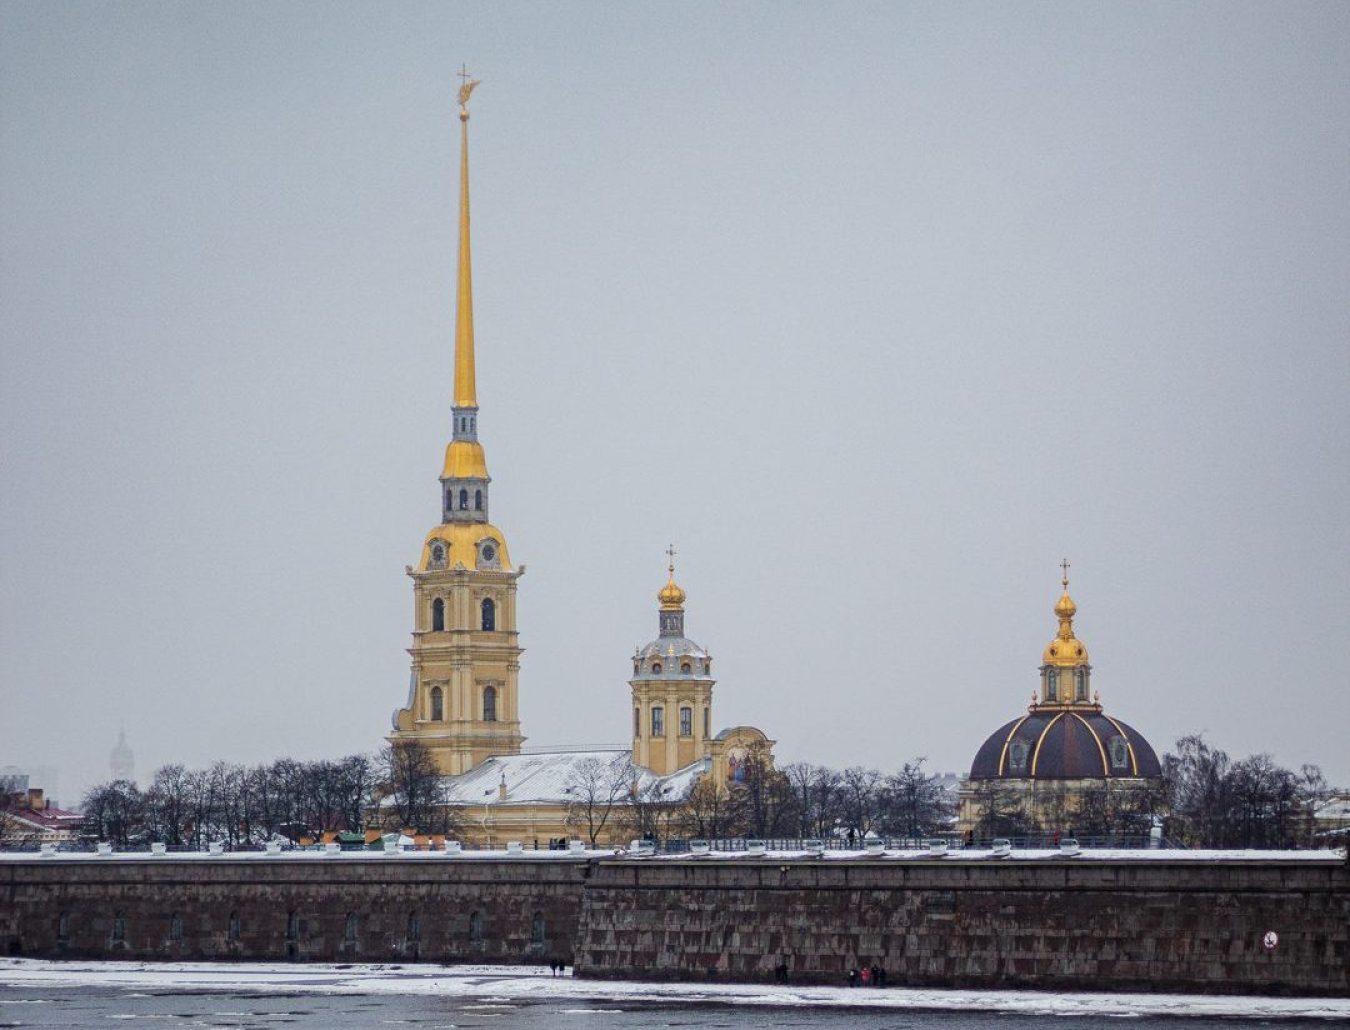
(511, 986)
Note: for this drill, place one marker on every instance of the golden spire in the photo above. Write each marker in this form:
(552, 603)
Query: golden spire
(1065, 649)
(670, 595)
(466, 392)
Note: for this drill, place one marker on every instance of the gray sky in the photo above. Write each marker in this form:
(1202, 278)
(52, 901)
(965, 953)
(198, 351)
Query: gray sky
(875, 311)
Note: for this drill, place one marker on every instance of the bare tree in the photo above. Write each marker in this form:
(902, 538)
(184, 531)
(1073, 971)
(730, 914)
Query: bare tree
(818, 799)
(1200, 792)
(414, 788)
(860, 788)
(761, 800)
(115, 812)
(167, 804)
(704, 812)
(1001, 808)
(595, 788)
(651, 811)
(914, 804)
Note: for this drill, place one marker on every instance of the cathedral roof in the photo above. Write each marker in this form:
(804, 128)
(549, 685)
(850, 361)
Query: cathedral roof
(1059, 743)
(550, 777)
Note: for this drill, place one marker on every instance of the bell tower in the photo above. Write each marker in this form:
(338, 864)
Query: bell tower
(672, 690)
(462, 695)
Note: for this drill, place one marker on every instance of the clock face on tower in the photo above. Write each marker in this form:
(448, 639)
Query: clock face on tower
(489, 552)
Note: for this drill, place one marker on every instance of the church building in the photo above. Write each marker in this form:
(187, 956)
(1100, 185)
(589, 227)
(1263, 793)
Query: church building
(463, 693)
(1065, 763)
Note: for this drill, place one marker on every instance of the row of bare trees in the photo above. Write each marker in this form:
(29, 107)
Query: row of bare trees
(614, 799)
(248, 805)
(1206, 798)
(1218, 802)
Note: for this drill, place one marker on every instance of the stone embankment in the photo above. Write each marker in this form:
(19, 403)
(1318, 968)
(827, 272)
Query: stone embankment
(1175, 921)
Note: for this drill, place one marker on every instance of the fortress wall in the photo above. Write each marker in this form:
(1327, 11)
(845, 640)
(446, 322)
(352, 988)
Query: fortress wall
(1055, 924)
(1045, 923)
(382, 893)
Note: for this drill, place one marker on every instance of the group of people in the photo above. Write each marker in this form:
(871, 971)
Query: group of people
(557, 967)
(868, 976)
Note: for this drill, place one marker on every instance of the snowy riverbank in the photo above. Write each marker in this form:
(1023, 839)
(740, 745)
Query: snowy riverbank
(519, 984)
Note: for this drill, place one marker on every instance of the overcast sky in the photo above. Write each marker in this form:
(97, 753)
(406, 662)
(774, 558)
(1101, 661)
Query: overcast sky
(874, 311)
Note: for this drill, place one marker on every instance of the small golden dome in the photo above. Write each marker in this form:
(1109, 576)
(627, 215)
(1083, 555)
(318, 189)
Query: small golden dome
(1066, 650)
(670, 595)
(1065, 608)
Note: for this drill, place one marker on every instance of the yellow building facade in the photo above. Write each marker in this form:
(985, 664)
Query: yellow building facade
(463, 695)
(463, 690)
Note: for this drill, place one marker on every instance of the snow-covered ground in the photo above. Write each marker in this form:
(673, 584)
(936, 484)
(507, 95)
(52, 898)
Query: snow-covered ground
(525, 984)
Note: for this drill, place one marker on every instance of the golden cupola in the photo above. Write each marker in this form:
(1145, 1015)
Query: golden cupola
(670, 595)
(1065, 672)
(1066, 651)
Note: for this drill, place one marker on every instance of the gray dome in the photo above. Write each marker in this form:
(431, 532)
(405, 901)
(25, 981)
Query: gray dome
(672, 647)
(677, 658)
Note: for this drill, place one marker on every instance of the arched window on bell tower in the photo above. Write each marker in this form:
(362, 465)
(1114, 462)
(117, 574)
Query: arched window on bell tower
(437, 615)
(489, 608)
(489, 704)
(1080, 684)
(464, 500)
(437, 705)
(1051, 684)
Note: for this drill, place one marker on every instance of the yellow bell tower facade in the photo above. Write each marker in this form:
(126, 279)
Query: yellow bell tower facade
(672, 691)
(462, 697)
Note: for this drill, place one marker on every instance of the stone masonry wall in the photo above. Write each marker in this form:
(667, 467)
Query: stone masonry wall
(1046, 924)
(343, 909)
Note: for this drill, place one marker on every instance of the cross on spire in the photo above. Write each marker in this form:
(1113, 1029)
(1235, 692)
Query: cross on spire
(463, 74)
(670, 553)
(1064, 567)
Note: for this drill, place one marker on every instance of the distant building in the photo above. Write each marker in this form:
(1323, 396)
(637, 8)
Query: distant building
(122, 762)
(463, 692)
(26, 818)
(1065, 765)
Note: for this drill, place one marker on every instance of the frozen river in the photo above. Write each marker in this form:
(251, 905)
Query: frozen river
(108, 994)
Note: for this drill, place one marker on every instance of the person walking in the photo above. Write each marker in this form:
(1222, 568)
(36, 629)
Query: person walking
(866, 977)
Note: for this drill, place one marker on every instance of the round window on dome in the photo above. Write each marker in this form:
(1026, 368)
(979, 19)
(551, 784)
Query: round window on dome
(656, 666)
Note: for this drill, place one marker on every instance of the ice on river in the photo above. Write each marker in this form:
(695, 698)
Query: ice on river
(507, 984)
